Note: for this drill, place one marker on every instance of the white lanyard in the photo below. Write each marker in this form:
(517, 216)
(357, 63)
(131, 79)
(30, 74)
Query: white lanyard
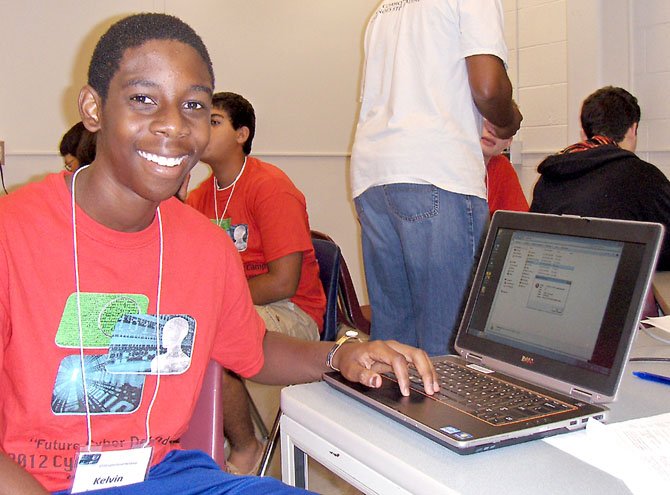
(81, 333)
(232, 184)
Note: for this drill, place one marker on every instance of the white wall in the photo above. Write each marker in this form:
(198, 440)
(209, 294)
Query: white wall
(298, 61)
(650, 72)
(569, 48)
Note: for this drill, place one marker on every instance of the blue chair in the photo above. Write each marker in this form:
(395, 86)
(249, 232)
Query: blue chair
(328, 256)
(349, 311)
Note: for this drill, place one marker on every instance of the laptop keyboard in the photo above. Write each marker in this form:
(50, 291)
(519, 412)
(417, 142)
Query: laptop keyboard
(490, 399)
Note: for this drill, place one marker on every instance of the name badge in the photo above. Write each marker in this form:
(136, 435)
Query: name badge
(97, 470)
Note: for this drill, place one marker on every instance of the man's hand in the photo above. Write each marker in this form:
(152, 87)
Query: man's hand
(289, 360)
(509, 131)
(365, 361)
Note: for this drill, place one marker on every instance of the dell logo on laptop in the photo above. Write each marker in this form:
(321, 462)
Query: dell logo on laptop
(527, 360)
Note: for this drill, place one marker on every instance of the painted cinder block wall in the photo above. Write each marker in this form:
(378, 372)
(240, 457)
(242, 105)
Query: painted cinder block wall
(560, 51)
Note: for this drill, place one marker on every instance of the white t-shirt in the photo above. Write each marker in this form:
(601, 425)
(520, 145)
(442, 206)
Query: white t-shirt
(418, 122)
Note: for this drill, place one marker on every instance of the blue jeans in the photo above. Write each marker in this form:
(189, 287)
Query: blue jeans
(420, 244)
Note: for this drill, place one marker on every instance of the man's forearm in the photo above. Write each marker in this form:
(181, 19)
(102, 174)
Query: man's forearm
(279, 282)
(492, 94)
(289, 360)
(265, 289)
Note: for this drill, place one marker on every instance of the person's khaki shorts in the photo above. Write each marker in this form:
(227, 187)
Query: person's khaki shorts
(287, 318)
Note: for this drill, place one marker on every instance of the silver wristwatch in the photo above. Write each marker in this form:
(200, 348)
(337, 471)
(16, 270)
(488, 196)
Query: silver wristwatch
(348, 335)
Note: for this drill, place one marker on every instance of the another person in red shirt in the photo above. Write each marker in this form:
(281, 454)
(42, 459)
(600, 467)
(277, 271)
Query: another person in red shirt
(502, 184)
(265, 215)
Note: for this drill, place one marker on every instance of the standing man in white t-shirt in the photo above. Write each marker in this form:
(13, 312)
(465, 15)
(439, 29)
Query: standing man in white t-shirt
(433, 68)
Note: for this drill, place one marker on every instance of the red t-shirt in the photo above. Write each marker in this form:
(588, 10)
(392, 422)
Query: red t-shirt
(504, 190)
(42, 411)
(267, 219)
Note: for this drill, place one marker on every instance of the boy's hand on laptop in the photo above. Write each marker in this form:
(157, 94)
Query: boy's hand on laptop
(363, 362)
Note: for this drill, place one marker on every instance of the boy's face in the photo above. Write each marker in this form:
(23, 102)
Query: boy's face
(492, 145)
(155, 122)
(71, 163)
(225, 141)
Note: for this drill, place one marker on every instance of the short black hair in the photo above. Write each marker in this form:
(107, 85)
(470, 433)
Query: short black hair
(80, 143)
(70, 140)
(85, 152)
(609, 112)
(241, 113)
(134, 31)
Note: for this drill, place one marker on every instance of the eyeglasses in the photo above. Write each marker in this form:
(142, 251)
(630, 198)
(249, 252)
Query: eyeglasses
(71, 165)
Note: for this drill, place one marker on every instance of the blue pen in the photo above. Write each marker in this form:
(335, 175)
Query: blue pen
(652, 377)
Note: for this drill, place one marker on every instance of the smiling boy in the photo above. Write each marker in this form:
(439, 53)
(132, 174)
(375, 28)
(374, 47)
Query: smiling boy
(99, 260)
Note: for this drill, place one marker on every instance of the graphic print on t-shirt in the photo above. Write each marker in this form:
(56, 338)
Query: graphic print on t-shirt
(118, 323)
(224, 223)
(107, 393)
(238, 233)
(133, 348)
(99, 314)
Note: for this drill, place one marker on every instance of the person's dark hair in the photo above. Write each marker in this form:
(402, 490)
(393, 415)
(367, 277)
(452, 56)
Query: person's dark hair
(134, 31)
(85, 152)
(241, 113)
(70, 140)
(609, 112)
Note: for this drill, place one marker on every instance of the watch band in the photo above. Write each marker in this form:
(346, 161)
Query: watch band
(348, 335)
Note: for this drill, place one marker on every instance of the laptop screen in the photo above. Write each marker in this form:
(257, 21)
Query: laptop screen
(559, 296)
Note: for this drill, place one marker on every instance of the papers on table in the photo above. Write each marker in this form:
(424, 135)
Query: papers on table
(636, 451)
(660, 322)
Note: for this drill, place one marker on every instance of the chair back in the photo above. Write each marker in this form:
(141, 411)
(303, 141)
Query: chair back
(349, 309)
(205, 431)
(328, 256)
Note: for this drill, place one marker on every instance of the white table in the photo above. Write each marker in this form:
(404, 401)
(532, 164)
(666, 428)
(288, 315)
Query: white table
(379, 456)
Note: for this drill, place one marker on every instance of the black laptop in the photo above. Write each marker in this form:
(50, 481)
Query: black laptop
(546, 333)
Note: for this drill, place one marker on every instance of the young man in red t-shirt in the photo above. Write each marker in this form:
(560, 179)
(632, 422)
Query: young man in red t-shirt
(95, 265)
(265, 216)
